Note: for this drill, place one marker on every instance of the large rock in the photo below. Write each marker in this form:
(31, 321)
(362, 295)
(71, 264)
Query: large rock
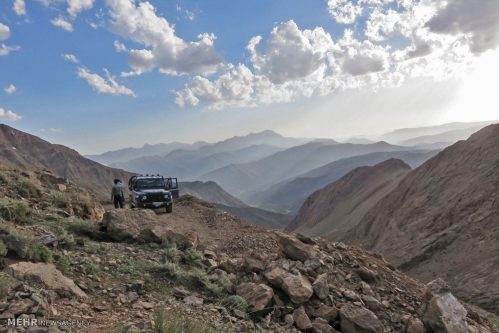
(258, 296)
(295, 249)
(296, 286)
(444, 313)
(356, 319)
(46, 274)
(127, 224)
(143, 226)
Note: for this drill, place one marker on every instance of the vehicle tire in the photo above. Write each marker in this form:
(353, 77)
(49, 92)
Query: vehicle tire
(169, 208)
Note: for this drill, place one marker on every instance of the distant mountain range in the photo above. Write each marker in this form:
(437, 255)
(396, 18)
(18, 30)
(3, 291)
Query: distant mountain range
(440, 219)
(288, 195)
(414, 134)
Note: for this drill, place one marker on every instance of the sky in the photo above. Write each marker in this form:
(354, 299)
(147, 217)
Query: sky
(99, 75)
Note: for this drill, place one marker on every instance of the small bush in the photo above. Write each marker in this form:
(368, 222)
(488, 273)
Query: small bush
(192, 258)
(171, 322)
(27, 190)
(6, 283)
(82, 228)
(25, 247)
(60, 200)
(3, 249)
(63, 264)
(234, 302)
(3, 179)
(171, 255)
(16, 212)
(64, 239)
(89, 267)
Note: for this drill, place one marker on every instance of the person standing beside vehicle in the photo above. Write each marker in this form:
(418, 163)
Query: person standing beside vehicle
(117, 194)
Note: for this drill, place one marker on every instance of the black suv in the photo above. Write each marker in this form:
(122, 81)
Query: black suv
(151, 191)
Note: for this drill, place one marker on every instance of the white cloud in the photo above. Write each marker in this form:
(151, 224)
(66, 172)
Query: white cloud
(60, 22)
(119, 46)
(10, 89)
(71, 58)
(107, 85)
(138, 22)
(8, 115)
(19, 7)
(4, 32)
(77, 6)
(5, 49)
(52, 130)
(344, 11)
(478, 19)
(290, 53)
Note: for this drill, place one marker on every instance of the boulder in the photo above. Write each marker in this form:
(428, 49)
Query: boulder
(295, 249)
(301, 319)
(127, 224)
(143, 226)
(321, 287)
(443, 313)
(296, 286)
(46, 274)
(356, 319)
(258, 296)
(367, 275)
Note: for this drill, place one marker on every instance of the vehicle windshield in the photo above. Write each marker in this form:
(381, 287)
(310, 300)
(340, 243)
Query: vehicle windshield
(146, 183)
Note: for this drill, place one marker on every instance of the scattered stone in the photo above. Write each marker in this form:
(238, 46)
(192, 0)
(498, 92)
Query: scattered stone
(372, 303)
(325, 312)
(414, 325)
(367, 275)
(296, 286)
(180, 292)
(258, 296)
(295, 249)
(193, 300)
(254, 265)
(321, 287)
(21, 306)
(322, 326)
(355, 319)
(302, 321)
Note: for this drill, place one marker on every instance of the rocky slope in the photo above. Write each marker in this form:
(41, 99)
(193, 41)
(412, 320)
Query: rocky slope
(32, 153)
(202, 270)
(338, 207)
(442, 220)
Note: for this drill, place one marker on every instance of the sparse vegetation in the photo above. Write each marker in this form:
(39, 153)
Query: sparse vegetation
(27, 190)
(25, 247)
(16, 212)
(82, 228)
(89, 267)
(171, 322)
(3, 249)
(192, 258)
(235, 302)
(63, 264)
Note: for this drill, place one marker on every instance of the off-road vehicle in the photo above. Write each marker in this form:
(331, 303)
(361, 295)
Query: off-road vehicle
(149, 191)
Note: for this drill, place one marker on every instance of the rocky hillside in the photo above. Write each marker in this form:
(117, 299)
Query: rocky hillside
(210, 192)
(198, 270)
(338, 207)
(32, 153)
(442, 220)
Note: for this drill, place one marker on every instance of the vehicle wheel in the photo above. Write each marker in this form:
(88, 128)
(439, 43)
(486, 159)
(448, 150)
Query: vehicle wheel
(169, 208)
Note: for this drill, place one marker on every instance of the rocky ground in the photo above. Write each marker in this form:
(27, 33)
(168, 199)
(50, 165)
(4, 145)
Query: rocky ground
(200, 269)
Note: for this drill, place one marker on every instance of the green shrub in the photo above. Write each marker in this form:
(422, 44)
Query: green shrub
(27, 190)
(82, 228)
(3, 179)
(3, 249)
(63, 264)
(61, 200)
(64, 239)
(25, 247)
(234, 302)
(16, 212)
(171, 255)
(89, 267)
(192, 258)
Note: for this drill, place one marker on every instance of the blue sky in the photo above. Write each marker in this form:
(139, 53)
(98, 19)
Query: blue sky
(305, 75)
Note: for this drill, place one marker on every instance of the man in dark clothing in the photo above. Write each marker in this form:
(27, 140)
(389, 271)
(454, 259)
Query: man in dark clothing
(117, 194)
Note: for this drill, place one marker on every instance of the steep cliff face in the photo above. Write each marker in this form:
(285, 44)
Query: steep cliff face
(338, 207)
(443, 220)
